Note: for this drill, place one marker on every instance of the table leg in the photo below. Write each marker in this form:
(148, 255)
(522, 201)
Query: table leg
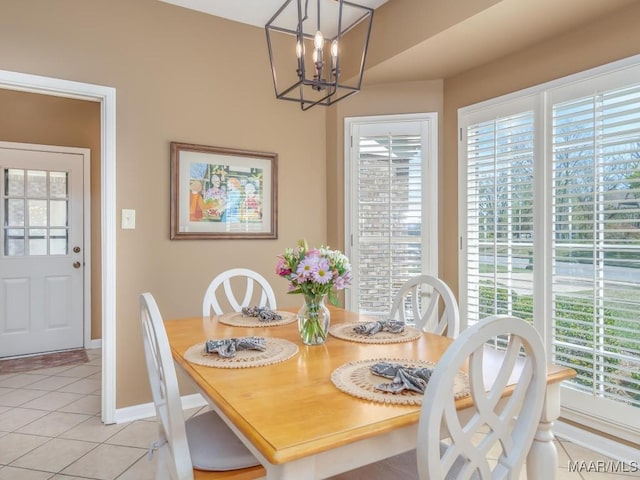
(542, 460)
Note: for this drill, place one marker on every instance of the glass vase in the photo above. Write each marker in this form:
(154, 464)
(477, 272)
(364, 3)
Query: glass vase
(313, 320)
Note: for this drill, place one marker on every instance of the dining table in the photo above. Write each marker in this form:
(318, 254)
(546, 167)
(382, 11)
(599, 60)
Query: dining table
(295, 413)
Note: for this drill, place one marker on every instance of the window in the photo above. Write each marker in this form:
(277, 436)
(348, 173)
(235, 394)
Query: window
(550, 219)
(499, 206)
(36, 205)
(391, 210)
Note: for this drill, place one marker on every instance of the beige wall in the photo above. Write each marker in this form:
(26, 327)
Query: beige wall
(48, 120)
(180, 76)
(611, 38)
(401, 24)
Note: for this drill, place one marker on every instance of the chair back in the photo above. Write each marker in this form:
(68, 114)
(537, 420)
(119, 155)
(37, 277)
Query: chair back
(173, 448)
(494, 427)
(419, 300)
(263, 297)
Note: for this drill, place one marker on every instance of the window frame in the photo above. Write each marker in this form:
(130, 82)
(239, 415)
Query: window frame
(429, 132)
(581, 409)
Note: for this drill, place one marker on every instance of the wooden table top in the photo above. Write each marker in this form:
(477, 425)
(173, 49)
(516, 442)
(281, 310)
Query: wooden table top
(292, 409)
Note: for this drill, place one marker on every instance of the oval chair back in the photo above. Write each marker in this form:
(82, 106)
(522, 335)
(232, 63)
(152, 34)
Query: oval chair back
(506, 424)
(263, 297)
(419, 301)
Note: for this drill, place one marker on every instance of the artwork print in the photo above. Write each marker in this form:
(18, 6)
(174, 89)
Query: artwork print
(222, 193)
(219, 194)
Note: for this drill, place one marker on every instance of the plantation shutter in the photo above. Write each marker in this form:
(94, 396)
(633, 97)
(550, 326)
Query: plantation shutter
(499, 216)
(596, 243)
(390, 228)
(567, 155)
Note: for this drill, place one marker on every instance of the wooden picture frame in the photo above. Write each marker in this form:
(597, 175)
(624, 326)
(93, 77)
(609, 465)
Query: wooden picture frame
(222, 193)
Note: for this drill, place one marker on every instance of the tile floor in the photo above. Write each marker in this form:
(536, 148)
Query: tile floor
(50, 429)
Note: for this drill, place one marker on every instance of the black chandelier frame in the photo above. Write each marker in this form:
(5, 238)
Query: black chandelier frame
(327, 83)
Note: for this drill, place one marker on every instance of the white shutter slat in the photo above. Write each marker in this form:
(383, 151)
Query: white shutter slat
(500, 217)
(595, 146)
(390, 199)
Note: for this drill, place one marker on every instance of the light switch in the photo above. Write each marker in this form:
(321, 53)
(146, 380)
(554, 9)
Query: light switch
(128, 219)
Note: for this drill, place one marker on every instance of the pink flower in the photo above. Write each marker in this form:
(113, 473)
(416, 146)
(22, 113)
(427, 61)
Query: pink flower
(341, 282)
(281, 267)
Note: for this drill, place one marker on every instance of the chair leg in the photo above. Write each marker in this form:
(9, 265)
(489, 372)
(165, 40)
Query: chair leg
(162, 464)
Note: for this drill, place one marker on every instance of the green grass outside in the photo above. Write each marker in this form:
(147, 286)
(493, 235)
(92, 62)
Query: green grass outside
(574, 323)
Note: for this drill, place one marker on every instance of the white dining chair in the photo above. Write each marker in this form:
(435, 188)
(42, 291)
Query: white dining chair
(491, 441)
(263, 297)
(203, 442)
(418, 300)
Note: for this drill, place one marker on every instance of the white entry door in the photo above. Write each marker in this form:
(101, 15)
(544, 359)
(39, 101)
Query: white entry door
(42, 249)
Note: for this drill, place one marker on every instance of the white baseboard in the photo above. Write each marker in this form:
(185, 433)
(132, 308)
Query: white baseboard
(95, 343)
(595, 442)
(148, 410)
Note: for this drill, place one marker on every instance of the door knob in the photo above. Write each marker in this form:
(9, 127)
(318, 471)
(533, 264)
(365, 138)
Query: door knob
(76, 264)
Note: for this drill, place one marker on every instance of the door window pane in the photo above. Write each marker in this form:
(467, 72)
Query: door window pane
(37, 213)
(58, 184)
(14, 182)
(36, 183)
(37, 241)
(15, 212)
(58, 209)
(58, 241)
(14, 242)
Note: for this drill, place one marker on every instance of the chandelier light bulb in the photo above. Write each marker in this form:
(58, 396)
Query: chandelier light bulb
(318, 40)
(315, 56)
(334, 49)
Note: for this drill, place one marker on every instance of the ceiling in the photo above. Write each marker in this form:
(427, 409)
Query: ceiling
(504, 28)
(252, 12)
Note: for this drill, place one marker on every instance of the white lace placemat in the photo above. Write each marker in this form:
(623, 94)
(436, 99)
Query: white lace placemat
(356, 379)
(236, 319)
(278, 350)
(345, 331)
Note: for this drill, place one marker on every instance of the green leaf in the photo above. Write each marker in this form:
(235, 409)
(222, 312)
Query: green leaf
(333, 298)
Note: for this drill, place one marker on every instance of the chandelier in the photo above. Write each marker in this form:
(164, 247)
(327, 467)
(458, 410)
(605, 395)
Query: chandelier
(317, 50)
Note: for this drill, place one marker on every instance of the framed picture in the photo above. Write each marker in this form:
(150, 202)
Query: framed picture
(222, 193)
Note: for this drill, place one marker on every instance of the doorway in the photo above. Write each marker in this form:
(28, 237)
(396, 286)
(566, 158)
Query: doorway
(106, 96)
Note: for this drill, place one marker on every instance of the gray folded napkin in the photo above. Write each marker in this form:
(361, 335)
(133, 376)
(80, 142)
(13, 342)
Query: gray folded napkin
(228, 347)
(262, 313)
(371, 328)
(403, 378)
